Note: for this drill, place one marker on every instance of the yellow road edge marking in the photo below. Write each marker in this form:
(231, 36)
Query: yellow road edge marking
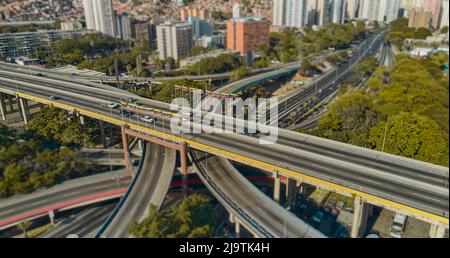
(238, 157)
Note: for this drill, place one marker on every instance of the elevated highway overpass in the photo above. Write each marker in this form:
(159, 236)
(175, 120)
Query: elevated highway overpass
(381, 185)
(426, 197)
(149, 186)
(68, 195)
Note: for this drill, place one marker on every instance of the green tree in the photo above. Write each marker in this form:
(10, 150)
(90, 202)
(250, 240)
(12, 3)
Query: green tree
(240, 73)
(24, 226)
(193, 217)
(349, 119)
(55, 124)
(413, 136)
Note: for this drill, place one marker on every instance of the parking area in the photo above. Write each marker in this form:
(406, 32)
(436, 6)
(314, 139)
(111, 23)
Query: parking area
(414, 228)
(332, 214)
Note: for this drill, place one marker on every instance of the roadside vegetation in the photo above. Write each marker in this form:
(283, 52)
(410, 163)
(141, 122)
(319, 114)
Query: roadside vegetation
(194, 217)
(399, 31)
(43, 155)
(167, 91)
(291, 45)
(100, 53)
(29, 27)
(208, 65)
(403, 111)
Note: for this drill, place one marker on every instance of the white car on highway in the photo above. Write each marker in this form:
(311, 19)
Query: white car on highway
(111, 105)
(147, 119)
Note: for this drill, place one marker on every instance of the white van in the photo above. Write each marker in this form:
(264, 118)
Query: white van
(398, 225)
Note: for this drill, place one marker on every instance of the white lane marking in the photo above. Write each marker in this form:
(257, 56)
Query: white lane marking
(319, 166)
(427, 197)
(368, 180)
(72, 193)
(39, 202)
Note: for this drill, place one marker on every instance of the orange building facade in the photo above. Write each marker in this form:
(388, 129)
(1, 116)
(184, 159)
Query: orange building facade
(247, 34)
(190, 11)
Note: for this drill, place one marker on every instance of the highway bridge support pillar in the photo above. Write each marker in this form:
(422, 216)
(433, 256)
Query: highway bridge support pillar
(237, 225)
(237, 228)
(51, 215)
(291, 191)
(126, 150)
(82, 121)
(276, 187)
(437, 231)
(24, 109)
(360, 216)
(2, 106)
(102, 134)
(183, 163)
(11, 103)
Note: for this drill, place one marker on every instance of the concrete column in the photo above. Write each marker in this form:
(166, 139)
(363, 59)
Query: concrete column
(82, 121)
(437, 231)
(276, 187)
(102, 134)
(11, 103)
(360, 216)
(237, 228)
(126, 150)
(291, 191)
(51, 215)
(2, 107)
(24, 109)
(231, 216)
(183, 163)
(111, 139)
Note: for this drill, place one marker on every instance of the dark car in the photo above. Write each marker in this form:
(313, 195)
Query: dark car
(129, 100)
(53, 97)
(250, 132)
(125, 113)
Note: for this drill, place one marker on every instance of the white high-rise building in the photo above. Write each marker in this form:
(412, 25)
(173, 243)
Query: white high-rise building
(368, 9)
(388, 10)
(100, 16)
(352, 9)
(279, 12)
(296, 13)
(174, 39)
(338, 11)
(444, 14)
(237, 11)
(411, 4)
(322, 12)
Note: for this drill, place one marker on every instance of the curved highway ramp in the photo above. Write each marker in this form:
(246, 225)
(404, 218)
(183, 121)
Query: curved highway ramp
(262, 216)
(150, 186)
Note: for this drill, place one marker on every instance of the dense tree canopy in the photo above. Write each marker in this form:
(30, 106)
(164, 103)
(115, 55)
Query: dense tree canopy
(399, 31)
(412, 98)
(194, 217)
(55, 124)
(413, 136)
(27, 165)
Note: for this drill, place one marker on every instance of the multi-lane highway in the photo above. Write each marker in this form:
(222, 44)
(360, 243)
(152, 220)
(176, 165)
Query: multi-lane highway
(262, 216)
(73, 193)
(83, 223)
(150, 186)
(359, 178)
(104, 78)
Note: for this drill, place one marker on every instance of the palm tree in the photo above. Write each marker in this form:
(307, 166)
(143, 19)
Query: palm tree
(293, 116)
(24, 226)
